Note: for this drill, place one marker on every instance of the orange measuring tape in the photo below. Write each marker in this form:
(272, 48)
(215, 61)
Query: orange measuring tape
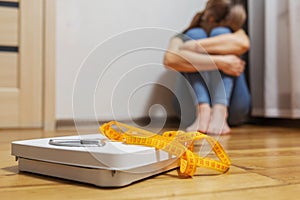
(177, 143)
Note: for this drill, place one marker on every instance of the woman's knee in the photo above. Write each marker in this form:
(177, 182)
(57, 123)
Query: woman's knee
(196, 33)
(219, 31)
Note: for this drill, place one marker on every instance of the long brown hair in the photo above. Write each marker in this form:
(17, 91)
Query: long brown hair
(218, 9)
(196, 21)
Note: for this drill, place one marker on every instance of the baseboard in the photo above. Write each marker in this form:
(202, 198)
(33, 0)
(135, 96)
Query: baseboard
(70, 124)
(278, 122)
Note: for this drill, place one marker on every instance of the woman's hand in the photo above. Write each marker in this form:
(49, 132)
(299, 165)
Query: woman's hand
(230, 64)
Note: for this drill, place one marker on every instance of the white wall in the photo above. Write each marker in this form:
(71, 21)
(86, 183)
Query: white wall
(128, 86)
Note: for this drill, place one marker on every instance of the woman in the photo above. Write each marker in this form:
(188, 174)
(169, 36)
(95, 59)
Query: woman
(224, 50)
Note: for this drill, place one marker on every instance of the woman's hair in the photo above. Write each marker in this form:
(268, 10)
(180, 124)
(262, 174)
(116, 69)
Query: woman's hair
(217, 9)
(236, 18)
(222, 12)
(196, 21)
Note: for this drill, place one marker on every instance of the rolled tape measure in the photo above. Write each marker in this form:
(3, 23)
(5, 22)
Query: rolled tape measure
(177, 143)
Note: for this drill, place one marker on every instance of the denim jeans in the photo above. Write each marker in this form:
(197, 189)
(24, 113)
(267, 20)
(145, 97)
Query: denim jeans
(234, 90)
(212, 87)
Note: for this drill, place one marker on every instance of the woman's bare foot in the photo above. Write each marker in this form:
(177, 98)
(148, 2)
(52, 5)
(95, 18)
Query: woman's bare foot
(218, 123)
(202, 119)
(226, 128)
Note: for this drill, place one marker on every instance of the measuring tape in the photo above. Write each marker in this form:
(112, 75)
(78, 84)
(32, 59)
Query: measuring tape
(177, 143)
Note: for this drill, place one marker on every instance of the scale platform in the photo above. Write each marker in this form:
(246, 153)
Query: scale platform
(91, 159)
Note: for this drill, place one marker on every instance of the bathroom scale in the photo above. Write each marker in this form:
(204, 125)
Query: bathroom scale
(92, 159)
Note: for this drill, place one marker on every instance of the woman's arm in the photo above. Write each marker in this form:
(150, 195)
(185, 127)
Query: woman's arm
(236, 43)
(188, 61)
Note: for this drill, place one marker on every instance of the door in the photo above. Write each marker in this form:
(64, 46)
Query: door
(21, 63)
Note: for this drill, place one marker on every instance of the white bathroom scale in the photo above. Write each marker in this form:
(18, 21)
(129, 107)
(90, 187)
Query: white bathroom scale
(91, 159)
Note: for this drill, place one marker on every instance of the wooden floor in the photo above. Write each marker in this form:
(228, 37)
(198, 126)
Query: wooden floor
(266, 165)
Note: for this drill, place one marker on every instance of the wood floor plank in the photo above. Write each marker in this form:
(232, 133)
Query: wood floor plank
(290, 175)
(267, 162)
(283, 192)
(158, 187)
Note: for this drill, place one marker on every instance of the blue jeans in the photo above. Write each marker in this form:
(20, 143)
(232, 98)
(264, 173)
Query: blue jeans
(213, 87)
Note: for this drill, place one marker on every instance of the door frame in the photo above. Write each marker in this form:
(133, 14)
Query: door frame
(49, 86)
